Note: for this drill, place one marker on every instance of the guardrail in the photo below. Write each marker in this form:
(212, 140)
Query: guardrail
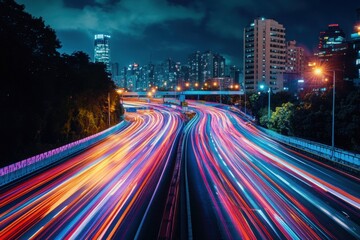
(32, 164)
(340, 156)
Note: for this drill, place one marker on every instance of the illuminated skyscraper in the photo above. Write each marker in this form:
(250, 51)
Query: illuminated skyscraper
(218, 66)
(195, 67)
(332, 42)
(264, 55)
(354, 47)
(102, 50)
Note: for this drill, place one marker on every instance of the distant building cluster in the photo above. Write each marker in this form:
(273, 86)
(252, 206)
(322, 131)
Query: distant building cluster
(196, 74)
(269, 60)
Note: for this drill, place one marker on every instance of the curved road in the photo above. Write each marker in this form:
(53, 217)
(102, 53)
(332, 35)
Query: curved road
(243, 185)
(103, 192)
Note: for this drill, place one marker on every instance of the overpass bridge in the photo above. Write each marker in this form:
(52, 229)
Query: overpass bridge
(176, 93)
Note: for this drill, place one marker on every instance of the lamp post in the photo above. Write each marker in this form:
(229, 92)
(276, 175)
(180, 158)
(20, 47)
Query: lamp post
(120, 92)
(243, 86)
(262, 86)
(178, 88)
(319, 71)
(333, 119)
(215, 84)
(196, 89)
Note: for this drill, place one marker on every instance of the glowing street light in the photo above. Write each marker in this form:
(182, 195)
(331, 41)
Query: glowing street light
(120, 92)
(319, 71)
(262, 87)
(215, 84)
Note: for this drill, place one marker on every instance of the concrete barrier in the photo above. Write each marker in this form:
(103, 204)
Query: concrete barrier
(325, 151)
(32, 164)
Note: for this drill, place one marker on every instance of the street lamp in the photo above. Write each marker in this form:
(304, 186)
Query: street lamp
(178, 88)
(120, 92)
(242, 85)
(215, 84)
(319, 71)
(262, 87)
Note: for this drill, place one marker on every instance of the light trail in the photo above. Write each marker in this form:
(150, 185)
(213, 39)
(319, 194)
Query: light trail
(254, 188)
(100, 193)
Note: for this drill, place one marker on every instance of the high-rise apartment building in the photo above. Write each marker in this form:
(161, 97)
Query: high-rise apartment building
(133, 77)
(294, 58)
(218, 66)
(205, 66)
(194, 61)
(102, 50)
(234, 73)
(264, 55)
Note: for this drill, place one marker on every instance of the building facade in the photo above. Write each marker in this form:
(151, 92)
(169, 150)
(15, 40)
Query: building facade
(194, 62)
(264, 55)
(102, 50)
(218, 66)
(204, 66)
(355, 49)
(332, 44)
(295, 61)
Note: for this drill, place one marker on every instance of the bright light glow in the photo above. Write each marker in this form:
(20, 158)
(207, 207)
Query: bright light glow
(301, 81)
(262, 86)
(178, 88)
(318, 71)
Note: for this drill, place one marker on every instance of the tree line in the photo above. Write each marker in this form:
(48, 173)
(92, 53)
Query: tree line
(48, 99)
(310, 116)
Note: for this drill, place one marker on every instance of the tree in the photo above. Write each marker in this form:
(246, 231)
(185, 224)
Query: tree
(348, 122)
(282, 119)
(48, 99)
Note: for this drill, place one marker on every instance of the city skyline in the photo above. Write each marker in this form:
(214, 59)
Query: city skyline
(153, 31)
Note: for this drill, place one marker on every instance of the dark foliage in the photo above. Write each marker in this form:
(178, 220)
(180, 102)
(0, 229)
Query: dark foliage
(310, 117)
(47, 99)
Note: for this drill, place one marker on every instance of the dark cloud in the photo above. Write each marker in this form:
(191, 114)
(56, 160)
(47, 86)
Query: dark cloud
(176, 28)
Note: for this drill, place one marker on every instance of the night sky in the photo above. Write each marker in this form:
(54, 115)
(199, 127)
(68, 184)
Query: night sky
(157, 29)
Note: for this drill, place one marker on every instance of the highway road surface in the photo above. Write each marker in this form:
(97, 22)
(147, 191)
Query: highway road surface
(104, 192)
(236, 183)
(243, 185)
